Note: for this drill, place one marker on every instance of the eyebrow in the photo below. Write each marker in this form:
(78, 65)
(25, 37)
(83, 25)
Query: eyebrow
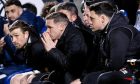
(92, 17)
(49, 26)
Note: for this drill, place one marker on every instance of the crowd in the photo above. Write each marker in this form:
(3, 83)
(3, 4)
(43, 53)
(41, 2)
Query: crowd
(66, 48)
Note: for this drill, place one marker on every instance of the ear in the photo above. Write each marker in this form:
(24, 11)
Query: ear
(103, 18)
(20, 10)
(74, 17)
(26, 33)
(61, 26)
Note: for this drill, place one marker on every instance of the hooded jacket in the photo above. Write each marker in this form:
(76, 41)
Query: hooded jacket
(115, 42)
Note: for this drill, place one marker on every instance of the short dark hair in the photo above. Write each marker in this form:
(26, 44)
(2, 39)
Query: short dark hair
(13, 2)
(104, 7)
(58, 17)
(19, 24)
(69, 6)
(30, 7)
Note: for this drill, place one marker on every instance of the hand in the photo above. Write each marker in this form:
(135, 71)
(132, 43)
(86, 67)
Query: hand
(77, 81)
(48, 42)
(6, 29)
(2, 43)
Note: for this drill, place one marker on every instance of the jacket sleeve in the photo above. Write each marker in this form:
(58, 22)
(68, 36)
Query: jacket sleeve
(72, 57)
(119, 42)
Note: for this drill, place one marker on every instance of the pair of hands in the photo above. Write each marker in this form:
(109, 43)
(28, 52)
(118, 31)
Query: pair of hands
(48, 42)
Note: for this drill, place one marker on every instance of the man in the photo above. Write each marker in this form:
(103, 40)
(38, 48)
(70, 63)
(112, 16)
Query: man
(31, 7)
(115, 44)
(30, 50)
(65, 47)
(71, 12)
(14, 11)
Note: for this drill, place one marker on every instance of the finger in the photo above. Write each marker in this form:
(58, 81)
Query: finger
(44, 37)
(47, 36)
(44, 42)
(55, 42)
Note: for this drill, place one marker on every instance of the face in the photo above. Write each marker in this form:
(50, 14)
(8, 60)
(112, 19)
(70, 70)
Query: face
(86, 17)
(19, 38)
(12, 12)
(97, 21)
(54, 29)
(68, 14)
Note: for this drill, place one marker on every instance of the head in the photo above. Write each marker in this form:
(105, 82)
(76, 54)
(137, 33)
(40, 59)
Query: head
(86, 15)
(19, 32)
(31, 7)
(56, 24)
(70, 9)
(47, 7)
(100, 14)
(13, 9)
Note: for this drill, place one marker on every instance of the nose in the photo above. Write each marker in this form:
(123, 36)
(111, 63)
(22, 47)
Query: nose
(9, 15)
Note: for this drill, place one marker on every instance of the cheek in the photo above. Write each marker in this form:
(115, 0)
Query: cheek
(16, 14)
(21, 39)
(95, 25)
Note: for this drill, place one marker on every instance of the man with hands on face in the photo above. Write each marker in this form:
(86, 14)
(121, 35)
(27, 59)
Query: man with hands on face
(65, 47)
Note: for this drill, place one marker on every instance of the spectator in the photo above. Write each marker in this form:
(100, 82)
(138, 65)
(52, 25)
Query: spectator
(71, 11)
(115, 44)
(29, 47)
(65, 47)
(31, 7)
(47, 7)
(14, 11)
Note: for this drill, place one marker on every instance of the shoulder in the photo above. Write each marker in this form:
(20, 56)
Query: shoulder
(122, 30)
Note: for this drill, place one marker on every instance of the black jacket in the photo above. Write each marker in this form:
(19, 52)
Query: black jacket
(89, 37)
(115, 42)
(33, 53)
(69, 56)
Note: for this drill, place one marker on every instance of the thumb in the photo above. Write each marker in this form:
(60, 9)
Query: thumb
(55, 42)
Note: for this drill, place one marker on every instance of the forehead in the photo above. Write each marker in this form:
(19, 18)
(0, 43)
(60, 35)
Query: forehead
(16, 31)
(11, 7)
(93, 14)
(49, 21)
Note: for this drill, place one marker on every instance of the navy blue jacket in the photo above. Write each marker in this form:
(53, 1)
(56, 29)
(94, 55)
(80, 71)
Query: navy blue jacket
(37, 22)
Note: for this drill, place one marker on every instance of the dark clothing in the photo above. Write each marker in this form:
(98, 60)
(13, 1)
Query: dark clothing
(2, 21)
(111, 77)
(91, 43)
(33, 20)
(116, 45)
(1, 35)
(60, 1)
(33, 54)
(69, 55)
(37, 22)
(114, 50)
(8, 48)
